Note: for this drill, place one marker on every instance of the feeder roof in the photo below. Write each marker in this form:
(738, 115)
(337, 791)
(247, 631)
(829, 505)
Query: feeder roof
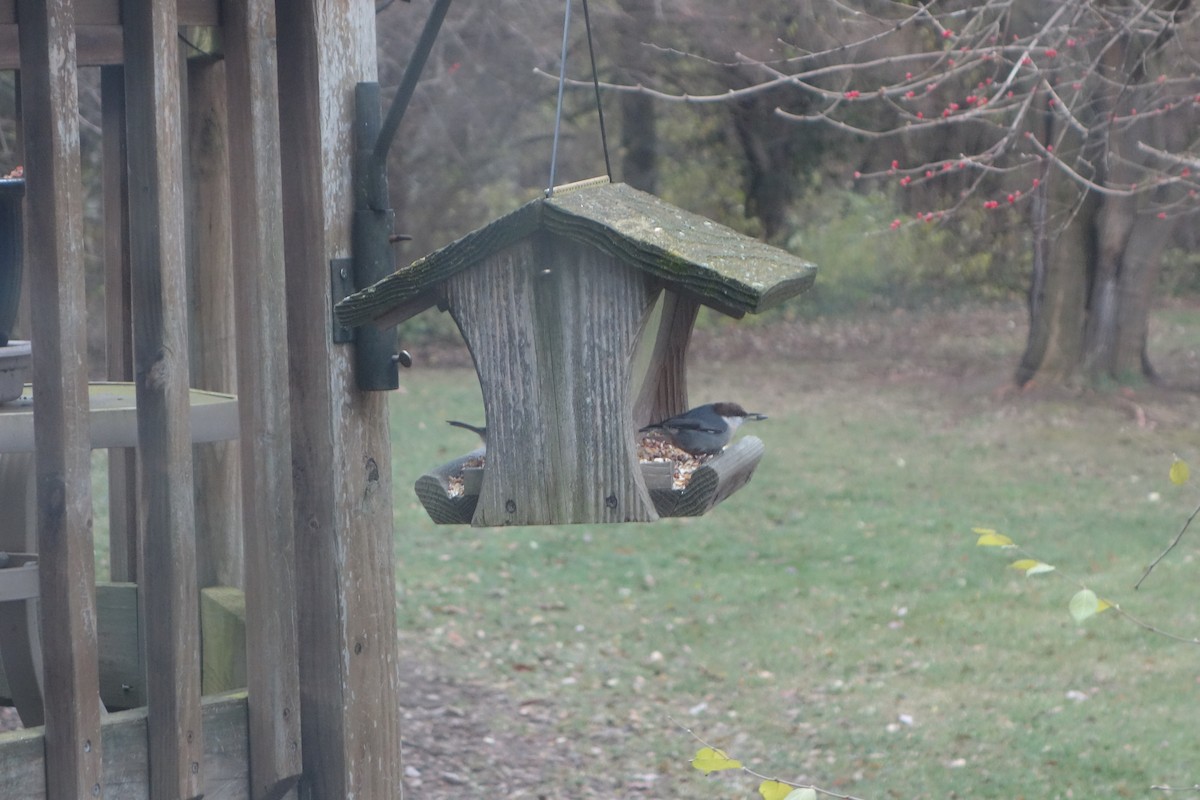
(719, 266)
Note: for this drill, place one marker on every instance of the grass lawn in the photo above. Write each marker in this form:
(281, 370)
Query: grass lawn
(834, 621)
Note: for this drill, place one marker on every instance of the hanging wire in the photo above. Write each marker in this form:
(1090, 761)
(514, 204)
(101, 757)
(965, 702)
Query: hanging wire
(587, 24)
(562, 81)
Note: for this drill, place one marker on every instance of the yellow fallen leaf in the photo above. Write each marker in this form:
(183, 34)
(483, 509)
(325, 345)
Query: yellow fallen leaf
(993, 539)
(1179, 471)
(710, 759)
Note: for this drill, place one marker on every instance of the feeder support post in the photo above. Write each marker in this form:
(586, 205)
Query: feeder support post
(376, 357)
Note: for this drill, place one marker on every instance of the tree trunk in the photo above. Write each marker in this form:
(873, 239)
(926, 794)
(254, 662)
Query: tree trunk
(1096, 269)
(1089, 303)
(1058, 297)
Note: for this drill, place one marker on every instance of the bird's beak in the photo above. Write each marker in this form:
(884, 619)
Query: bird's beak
(756, 417)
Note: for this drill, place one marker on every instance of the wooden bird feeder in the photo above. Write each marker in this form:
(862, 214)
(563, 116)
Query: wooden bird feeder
(552, 300)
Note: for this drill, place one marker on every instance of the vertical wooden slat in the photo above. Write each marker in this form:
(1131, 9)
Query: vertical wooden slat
(118, 339)
(169, 597)
(262, 326)
(664, 392)
(54, 243)
(219, 559)
(341, 453)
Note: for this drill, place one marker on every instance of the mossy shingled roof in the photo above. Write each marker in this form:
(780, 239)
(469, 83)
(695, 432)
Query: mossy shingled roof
(716, 264)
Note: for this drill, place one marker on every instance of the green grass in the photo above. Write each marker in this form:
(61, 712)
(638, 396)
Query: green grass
(805, 622)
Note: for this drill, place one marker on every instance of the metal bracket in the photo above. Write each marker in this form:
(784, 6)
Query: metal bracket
(376, 358)
(341, 277)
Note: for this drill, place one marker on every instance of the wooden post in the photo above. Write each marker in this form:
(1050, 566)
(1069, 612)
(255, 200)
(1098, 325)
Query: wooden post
(212, 336)
(341, 452)
(118, 331)
(54, 242)
(169, 596)
(272, 670)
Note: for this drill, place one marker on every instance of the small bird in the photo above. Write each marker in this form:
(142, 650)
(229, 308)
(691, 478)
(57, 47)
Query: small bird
(705, 429)
(481, 431)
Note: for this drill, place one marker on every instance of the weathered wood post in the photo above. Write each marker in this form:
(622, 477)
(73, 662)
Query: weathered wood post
(168, 593)
(272, 668)
(341, 452)
(54, 242)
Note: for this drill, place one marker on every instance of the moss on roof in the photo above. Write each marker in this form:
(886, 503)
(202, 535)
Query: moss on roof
(716, 264)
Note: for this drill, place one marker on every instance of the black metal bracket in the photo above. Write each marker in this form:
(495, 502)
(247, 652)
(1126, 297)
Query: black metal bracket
(341, 286)
(376, 356)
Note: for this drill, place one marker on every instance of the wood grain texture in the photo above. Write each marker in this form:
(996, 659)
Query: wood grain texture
(433, 490)
(272, 670)
(96, 45)
(211, 332)
(54, 242)
(122, 676)
(340, 445)
(108, 12)
(223, 621)
(719, 478)
(124, 736)
(170, 612)
(664, 391)
(552, 327)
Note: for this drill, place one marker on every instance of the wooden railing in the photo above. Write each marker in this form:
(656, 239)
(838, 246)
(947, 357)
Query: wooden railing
(313, 454)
